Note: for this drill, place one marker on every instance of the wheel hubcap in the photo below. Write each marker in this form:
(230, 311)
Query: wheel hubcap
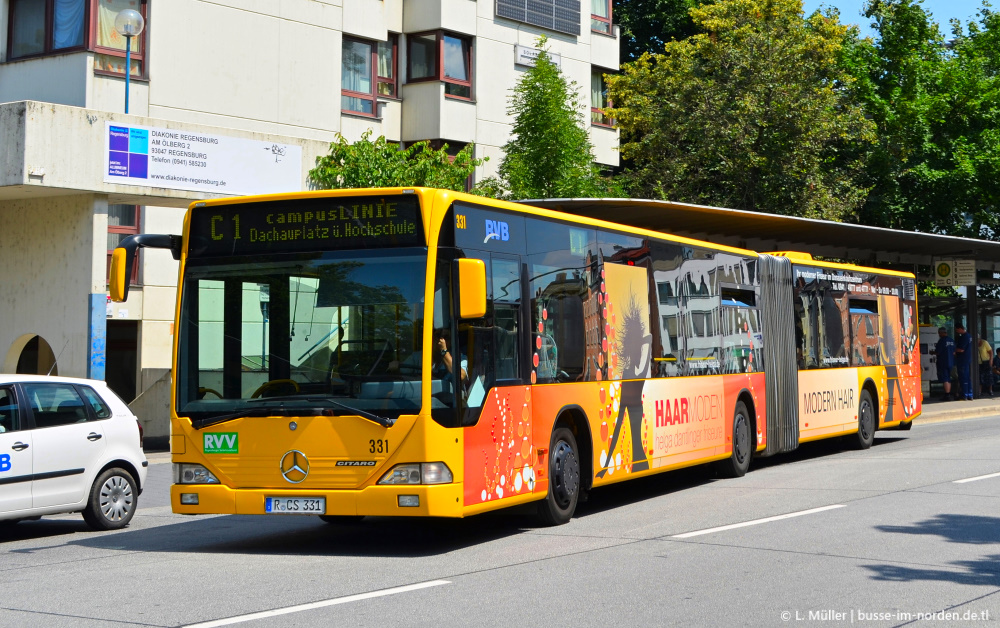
(116, 498)
(566, 473)
(741, 444)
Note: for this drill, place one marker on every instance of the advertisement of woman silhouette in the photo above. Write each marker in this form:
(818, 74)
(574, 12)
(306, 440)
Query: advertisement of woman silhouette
(631, 342)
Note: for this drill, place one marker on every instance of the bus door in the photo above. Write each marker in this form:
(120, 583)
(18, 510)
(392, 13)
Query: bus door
(493, 345)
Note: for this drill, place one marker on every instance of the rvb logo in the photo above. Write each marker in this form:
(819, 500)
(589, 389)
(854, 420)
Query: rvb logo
(496, 229)
(5, 462)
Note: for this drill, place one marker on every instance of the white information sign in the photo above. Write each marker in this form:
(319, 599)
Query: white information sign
(526, 55)
(200, 162)
(959, 272)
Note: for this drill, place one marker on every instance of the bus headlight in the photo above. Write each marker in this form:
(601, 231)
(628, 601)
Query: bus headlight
(435, 473)
(424, 473)
(193, 474)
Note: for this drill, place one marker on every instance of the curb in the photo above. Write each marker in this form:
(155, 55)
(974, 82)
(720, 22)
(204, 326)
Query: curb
(955, 415)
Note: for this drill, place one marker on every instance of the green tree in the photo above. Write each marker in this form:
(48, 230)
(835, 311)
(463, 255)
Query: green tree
(549, 154)
(936, 104)
(750, 113)
(646, 25)
(367, 164)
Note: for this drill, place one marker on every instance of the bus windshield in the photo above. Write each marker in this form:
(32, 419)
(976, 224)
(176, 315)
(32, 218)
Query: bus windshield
(289, 332)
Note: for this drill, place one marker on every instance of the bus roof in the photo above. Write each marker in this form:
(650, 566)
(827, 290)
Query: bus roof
(526, 208)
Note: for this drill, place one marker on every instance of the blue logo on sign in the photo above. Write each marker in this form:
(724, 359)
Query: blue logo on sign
(496, 229)
(5, 462)
(128, 152)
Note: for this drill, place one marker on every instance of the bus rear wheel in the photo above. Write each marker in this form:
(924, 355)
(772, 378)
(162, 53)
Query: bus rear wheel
(866, 422)
(564, 479)
(738, 463)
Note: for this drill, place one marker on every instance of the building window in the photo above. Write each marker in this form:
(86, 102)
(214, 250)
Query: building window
(366, 64)
(599, 100)
(110, 46)
(441, 57)
(123, 220)
(600, 16)
(41, 27)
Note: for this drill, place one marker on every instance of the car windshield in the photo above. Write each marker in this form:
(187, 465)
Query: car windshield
(296, 331)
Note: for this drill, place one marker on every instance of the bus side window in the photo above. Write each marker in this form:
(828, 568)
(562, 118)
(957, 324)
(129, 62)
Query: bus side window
(558, 271)
(701, 303)
(668, 328)
(806, 324)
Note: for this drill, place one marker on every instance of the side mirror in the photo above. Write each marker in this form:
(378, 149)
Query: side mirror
(121, 264)
(124, 256)
(471, 277)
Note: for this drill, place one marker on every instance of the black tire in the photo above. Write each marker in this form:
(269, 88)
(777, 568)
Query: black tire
(867, 422)
(113, 500)
(564, 479)
(341, 519)
(738, 463)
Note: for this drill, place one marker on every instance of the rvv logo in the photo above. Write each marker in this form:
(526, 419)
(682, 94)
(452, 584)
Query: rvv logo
(496, 229)
(222, 443)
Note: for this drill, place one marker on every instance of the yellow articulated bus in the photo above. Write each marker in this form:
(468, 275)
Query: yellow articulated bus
(425, 352)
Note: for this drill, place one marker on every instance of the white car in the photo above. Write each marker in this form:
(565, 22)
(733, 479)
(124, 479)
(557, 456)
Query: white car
(68, 445)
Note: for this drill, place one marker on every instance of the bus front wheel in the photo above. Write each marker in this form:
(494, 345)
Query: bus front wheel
(738, 462)
(564, 479)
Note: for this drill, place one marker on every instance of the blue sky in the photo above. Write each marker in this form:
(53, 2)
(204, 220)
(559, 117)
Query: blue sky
(941, 10)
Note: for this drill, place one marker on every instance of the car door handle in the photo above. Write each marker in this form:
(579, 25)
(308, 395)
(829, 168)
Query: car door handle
(18, 446)
(94, 436)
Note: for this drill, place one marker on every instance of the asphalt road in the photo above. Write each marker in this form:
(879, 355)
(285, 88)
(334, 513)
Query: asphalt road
(890, 535)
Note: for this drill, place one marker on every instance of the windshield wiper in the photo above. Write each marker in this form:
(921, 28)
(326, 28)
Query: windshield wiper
(375, 418)
(222, 418)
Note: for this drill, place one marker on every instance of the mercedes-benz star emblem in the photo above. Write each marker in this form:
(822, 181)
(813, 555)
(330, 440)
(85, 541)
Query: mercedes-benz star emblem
(294, 466)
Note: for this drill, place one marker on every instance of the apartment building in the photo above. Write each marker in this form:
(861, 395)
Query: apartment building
(227, 97)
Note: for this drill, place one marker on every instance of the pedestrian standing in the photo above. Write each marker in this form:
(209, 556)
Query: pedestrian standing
(944, 351)
(963, 361)
(985, 368)
(996, 366)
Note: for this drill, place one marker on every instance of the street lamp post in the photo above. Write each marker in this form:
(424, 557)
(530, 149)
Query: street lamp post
(129, 24)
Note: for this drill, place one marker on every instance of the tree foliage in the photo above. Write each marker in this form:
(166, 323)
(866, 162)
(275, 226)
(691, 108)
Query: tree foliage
(936, 104)
(368, 164)
(646, 25)
(549, 154)
(750, 113)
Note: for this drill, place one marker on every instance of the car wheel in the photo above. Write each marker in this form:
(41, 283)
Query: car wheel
(564, 480)
(113, 500)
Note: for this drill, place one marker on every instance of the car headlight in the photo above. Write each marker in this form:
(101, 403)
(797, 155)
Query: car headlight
(193, 474)
(413, 473)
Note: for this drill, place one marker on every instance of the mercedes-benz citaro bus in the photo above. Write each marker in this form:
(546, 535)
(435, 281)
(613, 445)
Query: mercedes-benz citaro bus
(424, 352)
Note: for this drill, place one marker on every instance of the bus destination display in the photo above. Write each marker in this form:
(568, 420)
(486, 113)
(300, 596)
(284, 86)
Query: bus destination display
(314, 224)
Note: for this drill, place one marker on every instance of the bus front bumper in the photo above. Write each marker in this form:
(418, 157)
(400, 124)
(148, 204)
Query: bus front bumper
(440, 500)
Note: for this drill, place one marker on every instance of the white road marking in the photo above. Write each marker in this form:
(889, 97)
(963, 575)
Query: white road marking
(978, 477)
(310, 606)
(733, 526)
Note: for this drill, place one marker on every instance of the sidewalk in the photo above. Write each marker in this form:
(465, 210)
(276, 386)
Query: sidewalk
(935, 411)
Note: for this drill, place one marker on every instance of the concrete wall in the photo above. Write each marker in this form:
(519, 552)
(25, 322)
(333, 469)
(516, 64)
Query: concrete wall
(65, 78)
(49, 267)
(67, 145)
(271, 67)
